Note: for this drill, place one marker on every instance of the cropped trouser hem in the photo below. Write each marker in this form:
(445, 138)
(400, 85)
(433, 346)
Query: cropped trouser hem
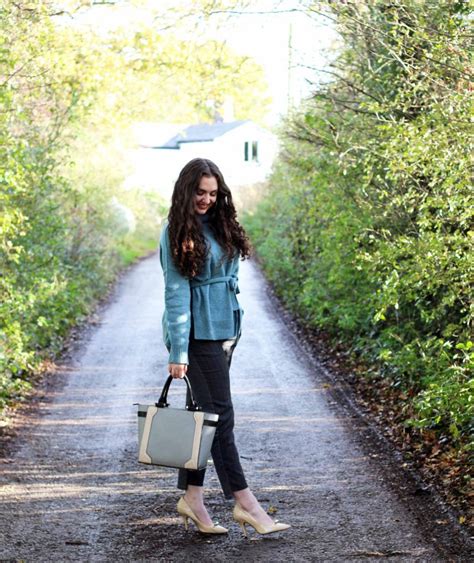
(208, 372)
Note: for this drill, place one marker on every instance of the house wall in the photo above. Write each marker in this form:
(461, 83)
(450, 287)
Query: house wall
(229, 154)
(157, 169)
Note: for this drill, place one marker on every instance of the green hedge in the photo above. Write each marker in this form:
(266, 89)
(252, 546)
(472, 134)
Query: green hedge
(56, 267)
(366, 230)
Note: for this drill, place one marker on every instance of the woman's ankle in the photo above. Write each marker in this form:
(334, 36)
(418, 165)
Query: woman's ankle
(195, 499)
(246, 499)
(194, 494)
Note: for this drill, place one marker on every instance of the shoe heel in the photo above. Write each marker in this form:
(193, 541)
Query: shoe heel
(244, 529)
(185, 522)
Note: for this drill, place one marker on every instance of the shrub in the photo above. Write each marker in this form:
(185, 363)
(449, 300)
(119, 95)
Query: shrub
(373, 203)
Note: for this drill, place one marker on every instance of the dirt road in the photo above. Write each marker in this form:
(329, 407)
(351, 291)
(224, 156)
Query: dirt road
(74, 491)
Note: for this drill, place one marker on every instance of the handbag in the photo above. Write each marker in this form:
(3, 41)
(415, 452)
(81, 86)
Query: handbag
(173, 437)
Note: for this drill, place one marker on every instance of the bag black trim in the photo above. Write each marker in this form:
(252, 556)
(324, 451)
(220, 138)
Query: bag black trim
(205, 423)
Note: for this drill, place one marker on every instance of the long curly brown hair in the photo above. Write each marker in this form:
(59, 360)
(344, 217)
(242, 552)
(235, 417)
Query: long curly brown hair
(187, 241)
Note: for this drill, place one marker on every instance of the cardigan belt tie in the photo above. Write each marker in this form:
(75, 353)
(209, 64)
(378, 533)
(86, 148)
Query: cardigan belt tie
(230, 280)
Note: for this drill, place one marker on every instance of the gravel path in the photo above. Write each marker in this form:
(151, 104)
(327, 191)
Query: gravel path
(73, 490)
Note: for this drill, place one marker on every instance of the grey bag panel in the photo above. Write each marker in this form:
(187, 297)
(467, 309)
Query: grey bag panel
(164, 446)
(174, 449)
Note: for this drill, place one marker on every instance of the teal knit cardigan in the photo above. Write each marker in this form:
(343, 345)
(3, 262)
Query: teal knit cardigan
(208, 300)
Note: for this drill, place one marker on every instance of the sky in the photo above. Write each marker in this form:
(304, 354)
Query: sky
(285, 44)
(279, 34)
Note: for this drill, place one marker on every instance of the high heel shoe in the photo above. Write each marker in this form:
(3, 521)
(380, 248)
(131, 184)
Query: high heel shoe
(243, 517)
(185, 511)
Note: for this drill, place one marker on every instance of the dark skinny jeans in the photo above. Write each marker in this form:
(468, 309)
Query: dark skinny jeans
(208, 372)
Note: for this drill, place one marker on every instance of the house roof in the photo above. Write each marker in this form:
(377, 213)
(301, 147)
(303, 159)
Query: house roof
(200, 133)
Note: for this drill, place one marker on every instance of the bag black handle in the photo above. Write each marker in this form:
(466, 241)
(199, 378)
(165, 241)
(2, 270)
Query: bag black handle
(163, 400)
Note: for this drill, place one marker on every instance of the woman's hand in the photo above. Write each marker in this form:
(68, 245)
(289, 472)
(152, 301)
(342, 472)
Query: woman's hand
(178, 371)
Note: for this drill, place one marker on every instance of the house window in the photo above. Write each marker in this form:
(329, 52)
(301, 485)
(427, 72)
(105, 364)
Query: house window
(255, 150)
(246, 151)
(251, 151)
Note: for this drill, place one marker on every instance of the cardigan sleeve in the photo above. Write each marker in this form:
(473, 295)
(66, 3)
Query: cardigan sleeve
(177, 318)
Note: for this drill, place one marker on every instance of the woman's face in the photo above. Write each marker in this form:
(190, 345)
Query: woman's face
(206, 194)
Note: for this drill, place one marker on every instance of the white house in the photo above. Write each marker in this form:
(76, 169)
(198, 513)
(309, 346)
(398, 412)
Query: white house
(243, 150)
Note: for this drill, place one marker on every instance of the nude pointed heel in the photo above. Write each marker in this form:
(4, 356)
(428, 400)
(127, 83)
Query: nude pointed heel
(244, 529)
(243, 517)
(185, 511)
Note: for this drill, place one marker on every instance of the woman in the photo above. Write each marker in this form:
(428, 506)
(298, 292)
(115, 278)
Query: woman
(200, 248)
